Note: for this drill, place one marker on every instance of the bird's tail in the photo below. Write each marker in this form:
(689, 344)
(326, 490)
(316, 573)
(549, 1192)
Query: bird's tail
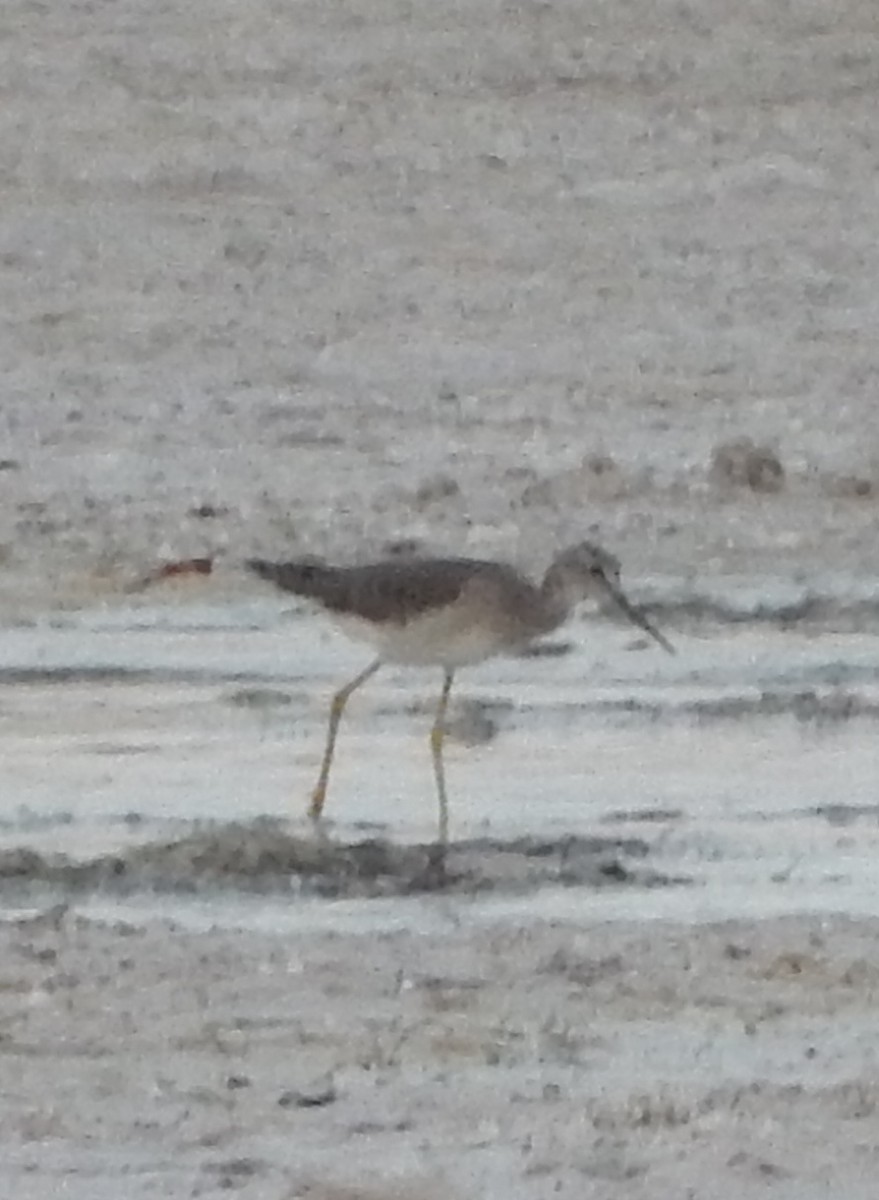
(301, 578)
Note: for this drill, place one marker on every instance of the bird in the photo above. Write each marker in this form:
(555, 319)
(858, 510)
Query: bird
(446, 613)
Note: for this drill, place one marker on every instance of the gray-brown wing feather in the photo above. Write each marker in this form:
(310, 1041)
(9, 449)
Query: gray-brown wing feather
(383, 591)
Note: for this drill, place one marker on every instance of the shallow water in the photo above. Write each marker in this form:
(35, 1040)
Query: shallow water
(746, 765)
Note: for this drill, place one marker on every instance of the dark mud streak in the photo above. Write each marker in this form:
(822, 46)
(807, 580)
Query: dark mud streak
(655, 816)
(853, 614)
(842, 814)
(258, 691)
(805, 705)
(13, 676)
(262, 859)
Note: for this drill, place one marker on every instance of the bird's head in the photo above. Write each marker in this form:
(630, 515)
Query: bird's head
(586, 571)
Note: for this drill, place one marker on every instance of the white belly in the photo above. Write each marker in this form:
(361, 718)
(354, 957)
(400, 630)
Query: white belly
(438, 638)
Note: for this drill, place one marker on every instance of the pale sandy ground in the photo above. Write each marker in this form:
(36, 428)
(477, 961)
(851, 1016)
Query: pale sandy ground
(610, 1060)
(339, 273)
(281, 277)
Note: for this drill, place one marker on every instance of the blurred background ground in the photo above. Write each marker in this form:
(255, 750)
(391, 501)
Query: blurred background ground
(490, 276)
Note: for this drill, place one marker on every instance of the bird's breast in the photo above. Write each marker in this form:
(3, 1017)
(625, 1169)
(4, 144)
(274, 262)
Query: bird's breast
(441, 637)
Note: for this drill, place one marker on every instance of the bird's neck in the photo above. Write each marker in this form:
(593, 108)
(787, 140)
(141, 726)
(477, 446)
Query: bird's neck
(558, 598)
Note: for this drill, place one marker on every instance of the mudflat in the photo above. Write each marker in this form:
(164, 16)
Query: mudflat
(357, 279)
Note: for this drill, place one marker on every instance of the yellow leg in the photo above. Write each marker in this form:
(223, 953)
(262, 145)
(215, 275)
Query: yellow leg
(437, 734)
(341, 698)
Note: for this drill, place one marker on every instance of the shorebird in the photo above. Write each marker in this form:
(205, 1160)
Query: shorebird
(448, 613)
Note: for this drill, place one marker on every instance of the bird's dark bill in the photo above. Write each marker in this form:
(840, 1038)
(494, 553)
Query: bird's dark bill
(637, 617)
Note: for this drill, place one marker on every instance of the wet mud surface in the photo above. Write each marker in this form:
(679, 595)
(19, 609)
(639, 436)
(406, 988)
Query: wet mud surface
(171, 752)
(263, 859)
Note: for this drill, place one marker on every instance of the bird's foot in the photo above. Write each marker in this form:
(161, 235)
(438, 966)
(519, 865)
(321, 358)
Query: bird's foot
(315, 815)
(434, 877)
(316, 803)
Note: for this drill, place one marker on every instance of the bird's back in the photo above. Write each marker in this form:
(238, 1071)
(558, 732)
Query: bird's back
(431, 609)
(394, 590)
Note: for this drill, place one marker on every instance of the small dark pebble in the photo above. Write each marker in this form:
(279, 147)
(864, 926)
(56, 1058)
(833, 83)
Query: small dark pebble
(234, 1083)
(735, 952)
(232, 1171)
(207, 512)
(403, 547)
(614, 870)
(316, 1099)
(367, 1128)
(256, 697)
(545, 650)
